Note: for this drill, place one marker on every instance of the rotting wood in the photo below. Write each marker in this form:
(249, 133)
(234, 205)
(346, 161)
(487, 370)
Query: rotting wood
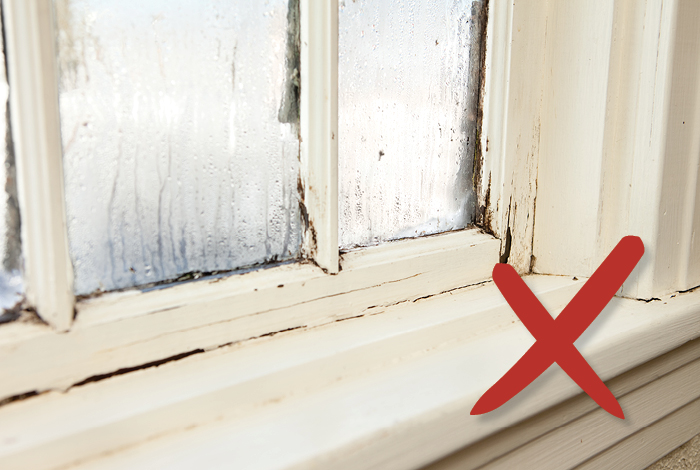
(512, 107)
(506, 247)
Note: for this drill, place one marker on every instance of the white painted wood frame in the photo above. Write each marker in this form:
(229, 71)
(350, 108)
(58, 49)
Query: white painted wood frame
(620, 150)
(36, 134)
(510, 134)
(319, 129)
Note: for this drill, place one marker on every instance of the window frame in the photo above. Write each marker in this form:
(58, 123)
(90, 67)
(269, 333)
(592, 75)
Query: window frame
(198, 315)
(34, 117)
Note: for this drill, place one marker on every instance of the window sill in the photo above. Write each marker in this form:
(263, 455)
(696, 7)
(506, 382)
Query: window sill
(126, 330)
(387, 390)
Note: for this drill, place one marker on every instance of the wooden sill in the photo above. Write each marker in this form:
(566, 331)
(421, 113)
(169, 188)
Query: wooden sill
(127, 330)
(392, 389)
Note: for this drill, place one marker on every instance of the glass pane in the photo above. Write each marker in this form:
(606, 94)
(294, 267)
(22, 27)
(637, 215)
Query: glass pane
(10, 278)
(180, 141)
(408, 106)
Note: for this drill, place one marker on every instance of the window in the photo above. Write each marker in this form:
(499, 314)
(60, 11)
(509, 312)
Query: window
(560, 82)
(146, 129)
(180, 145)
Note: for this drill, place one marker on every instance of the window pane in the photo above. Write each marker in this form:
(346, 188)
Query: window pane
(408, 105)
(10, 277)
(180, 141)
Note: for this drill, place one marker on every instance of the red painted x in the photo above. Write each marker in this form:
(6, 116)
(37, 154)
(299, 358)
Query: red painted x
(555, 337)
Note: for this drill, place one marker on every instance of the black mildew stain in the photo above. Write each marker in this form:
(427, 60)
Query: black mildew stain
(477, 67)
(13, 244)
(470, 165)
(289, 107)
(485, 214)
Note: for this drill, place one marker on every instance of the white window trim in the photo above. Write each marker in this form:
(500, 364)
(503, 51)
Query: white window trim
(619, 147)
(319, 129)
(409, 375)
(47, 269)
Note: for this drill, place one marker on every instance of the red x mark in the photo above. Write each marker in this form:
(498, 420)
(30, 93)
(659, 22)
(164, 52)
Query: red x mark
(555, 337)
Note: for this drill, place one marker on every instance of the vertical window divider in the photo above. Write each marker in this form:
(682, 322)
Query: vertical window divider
(36, 134)
(319, 130)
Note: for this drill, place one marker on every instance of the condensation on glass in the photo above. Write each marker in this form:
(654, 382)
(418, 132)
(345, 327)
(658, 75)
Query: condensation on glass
(180, 136)
(10, 277)
(408, 101)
